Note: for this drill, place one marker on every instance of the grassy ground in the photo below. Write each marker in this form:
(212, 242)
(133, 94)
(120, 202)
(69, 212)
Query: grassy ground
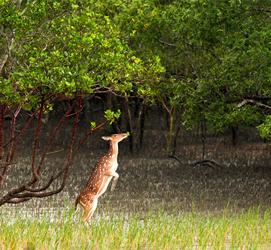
(155, 230)
(122, 221)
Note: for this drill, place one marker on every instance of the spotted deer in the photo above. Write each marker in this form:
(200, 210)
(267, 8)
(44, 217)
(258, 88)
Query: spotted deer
(101, 176)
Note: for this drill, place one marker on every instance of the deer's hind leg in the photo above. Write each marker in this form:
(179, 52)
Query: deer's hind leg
(89, 209)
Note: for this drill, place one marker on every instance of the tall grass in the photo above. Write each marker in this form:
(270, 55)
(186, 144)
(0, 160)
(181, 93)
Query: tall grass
(155, 230)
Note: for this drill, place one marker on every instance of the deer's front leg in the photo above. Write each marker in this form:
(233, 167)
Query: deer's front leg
(115, 176)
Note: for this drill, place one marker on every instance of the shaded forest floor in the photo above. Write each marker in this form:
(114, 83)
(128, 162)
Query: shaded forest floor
(148, 184)
(151, 181)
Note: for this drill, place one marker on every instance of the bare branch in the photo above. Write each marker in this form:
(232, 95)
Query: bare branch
(262, 10)
(12, 146)
(93, 130)
(37, 193)
(17, 200)
(22, 131)
(177, 159)
(250, 101)
(46, 186)
(55, 152)
(7, 55)
(3, 63)
(167, 43)
(35, 174)
(27, 190)
(206, 162)
(52, 137)
(2, 114)
(165, 106)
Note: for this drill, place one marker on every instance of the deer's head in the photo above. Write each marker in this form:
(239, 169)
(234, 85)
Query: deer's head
(116, 137)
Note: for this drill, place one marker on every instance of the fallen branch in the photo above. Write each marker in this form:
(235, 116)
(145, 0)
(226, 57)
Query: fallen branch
(206, 162)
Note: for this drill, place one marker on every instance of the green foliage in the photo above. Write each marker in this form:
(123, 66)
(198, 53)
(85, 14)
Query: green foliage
(93, 124)
(72, 47)
(215, 55)
(198, 58)
(265, 127)
(111, 115)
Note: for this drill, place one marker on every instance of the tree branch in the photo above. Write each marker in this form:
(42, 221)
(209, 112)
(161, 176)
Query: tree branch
(93, 130)
(35, 174)
(2, 119)
(36, 193)
(52, 137)
(12, 146)
(17, 201)
(250, 101)
(206, 162)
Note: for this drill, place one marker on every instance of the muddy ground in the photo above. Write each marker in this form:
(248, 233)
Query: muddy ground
(158, 183)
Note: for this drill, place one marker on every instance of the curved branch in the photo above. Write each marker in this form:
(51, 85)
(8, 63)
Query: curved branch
(206, 162)
(37, 193)
(46, 186)
(12, 146)
(250, 101)
(17, 200)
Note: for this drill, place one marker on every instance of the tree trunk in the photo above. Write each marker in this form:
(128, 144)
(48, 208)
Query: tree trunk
(170, 135)
(2, 119)
(129, 123)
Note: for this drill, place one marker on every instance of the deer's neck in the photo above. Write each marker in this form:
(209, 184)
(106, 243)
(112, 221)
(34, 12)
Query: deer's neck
(113, 150)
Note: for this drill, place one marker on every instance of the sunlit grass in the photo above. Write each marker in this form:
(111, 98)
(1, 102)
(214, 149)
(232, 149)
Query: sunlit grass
(155, 230)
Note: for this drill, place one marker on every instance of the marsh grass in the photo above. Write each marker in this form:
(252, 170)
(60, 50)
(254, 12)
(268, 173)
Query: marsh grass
(154, 230)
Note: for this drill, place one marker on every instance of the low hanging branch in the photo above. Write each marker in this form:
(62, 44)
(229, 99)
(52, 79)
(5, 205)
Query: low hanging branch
(29, 193)
(12, 145)
(15, 140)
(92, 131)
(39, 185)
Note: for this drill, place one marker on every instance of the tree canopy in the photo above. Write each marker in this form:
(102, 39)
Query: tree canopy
(201, 60)
(54, 47)
(204, 62)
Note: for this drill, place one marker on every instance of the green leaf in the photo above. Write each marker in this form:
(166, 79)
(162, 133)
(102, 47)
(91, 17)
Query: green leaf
(112, 116)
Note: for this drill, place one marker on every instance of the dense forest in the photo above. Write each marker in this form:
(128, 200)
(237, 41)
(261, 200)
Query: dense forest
(202, 64)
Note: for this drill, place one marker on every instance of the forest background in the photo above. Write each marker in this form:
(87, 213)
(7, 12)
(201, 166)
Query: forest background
(190, 80)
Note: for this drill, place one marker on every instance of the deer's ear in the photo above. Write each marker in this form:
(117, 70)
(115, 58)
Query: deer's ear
(106, 138)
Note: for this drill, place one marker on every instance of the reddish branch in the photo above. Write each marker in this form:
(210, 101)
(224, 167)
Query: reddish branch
(37, 186)
(12, 146)
(13, 141)
(27, 191)
(19, 136)
(52, 137)
(35, 174)
(92, 131)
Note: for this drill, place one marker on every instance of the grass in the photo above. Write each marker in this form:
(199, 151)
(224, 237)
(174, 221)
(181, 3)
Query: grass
(156, 230)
